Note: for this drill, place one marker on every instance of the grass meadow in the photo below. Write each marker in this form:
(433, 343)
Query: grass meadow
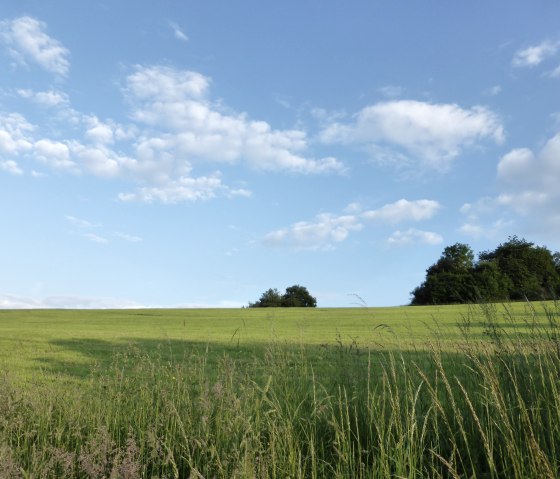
(407, 392)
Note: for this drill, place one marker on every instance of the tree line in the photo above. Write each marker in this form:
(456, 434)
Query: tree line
(514, 270)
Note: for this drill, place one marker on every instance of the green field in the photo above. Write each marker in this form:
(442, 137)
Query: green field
(73, 340)
(448, 391)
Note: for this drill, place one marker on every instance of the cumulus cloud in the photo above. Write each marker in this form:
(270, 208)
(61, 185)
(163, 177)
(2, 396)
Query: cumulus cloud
(55, 154)
(26, 40)
(528, 183)
(326, 230)
(434, 133)
(175, 128)
(514, 166)
(15, 134)
(175, 104)
(404, 210)
(536, 54)
(413, 236)
(522, 170)
(49, 98)
(320, 234)
(11, 167)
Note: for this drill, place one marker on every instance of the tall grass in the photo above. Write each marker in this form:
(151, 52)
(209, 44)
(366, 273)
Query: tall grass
(490, 409)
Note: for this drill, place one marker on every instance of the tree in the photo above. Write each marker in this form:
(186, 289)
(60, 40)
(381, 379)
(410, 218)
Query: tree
(516, 269)
(295, 296)
(531, 270)
(271, 298)
(298, 296)
(450, 280)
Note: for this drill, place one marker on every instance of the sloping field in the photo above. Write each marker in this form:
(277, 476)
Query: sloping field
(415, 392)
(75, 339)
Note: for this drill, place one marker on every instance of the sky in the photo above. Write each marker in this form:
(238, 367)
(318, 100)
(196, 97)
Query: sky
(181, 153)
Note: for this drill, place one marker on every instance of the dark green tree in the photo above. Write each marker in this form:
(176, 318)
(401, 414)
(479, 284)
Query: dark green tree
(295, 296)
(491, 283)
(450, 280)
(530, 269)
(515, 270)
(298, 296)
(271, 298)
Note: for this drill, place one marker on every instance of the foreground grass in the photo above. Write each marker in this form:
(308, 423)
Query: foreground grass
(480, 399)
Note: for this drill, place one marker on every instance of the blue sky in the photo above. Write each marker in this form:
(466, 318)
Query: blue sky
(181, 153)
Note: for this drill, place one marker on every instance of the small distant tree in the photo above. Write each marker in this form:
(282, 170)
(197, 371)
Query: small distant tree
(298, 296)
(295, 296)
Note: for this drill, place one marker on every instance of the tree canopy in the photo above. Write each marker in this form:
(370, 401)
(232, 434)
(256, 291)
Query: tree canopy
(295, 296)
(516, 269)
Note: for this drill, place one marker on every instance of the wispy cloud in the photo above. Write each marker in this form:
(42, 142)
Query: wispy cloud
(81, 223)
(178, 32)
(128, 237)
(26, 40)
(536, 54)
(95, 238)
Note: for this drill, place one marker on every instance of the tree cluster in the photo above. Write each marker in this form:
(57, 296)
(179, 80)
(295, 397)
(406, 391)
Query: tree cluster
(295, 296)
(515, 270)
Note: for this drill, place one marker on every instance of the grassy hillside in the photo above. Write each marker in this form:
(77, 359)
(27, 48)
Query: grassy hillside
(419, 392)
(55, 340)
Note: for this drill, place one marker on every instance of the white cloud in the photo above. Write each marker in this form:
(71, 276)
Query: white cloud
(528, 183)
(95, 238)
(11, 167)
(535, 55)
(404, 210)
(392, 91)
(174, 104)
(99, 132)
(50, 98)
(178, 32)
(99, 160)
(320, 234)
(523, 170)
(434, 133)
(26, 39)
(14, 134)
(11, 301)
(475, 229)
(494, 91)
(129, 238)
(327, 229)
(184, 189)
(414, 236)
(55, 154)
(81, 223)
